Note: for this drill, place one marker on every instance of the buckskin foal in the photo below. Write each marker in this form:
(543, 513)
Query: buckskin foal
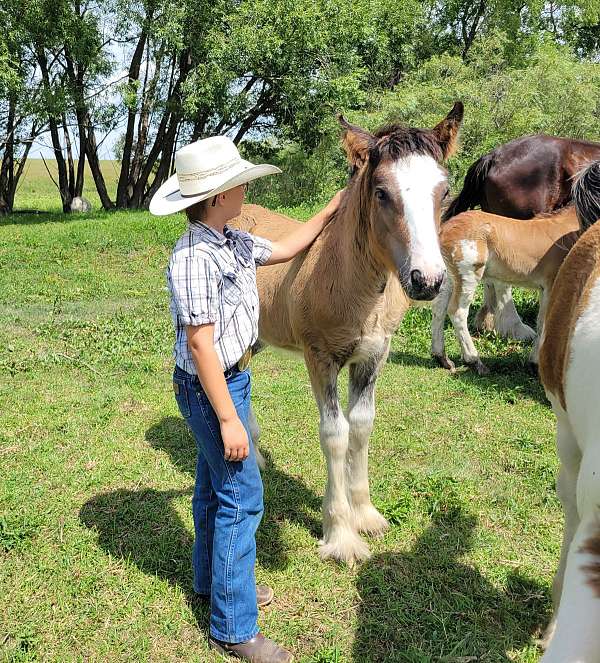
(340, 301)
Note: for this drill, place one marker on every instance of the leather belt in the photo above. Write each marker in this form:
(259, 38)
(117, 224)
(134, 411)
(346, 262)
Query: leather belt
(242, 364)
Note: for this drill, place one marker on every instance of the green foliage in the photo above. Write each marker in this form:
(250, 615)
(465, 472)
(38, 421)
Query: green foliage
(553, 92)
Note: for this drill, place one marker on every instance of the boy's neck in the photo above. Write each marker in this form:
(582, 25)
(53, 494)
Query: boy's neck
(215, 221)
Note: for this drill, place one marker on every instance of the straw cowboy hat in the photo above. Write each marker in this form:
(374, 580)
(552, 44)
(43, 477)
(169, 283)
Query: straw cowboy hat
(202, 170)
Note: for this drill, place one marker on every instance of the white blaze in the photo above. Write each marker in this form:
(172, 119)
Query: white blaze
(417, 176)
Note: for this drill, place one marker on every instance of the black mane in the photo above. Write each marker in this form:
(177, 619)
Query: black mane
(586, 194)
(396, 141)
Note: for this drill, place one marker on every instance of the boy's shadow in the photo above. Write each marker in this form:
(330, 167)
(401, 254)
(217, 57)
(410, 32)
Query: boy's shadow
(285, 497)
(425, 605)
(143, 527)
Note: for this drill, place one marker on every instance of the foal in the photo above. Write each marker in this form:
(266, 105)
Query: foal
(570, 373)
(340, 302)
(477, 245)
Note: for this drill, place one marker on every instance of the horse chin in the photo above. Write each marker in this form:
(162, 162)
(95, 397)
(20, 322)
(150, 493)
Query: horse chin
(426, 294)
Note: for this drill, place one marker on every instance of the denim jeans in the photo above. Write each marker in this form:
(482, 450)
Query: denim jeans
(227, 508)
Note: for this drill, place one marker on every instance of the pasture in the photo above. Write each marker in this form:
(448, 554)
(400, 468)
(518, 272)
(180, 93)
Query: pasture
(97, 467)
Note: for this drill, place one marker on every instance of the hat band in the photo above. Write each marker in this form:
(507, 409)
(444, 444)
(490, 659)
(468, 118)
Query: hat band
(203, 174)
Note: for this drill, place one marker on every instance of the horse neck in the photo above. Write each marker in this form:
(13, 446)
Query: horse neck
(358, 268)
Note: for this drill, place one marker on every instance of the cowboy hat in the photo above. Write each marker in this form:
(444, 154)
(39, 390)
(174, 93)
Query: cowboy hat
(202, 170)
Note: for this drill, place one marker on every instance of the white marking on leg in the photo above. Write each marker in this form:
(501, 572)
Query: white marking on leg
(469, 271)
(417, 176)
(361, 415)
(438, 317)
(340, 541)
(508, 322)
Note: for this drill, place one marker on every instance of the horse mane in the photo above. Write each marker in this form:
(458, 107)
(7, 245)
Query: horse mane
(396, 141)
(586, 194)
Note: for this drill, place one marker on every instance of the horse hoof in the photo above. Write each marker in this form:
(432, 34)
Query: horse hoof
(479, 367)
(521, 333)
(446, 363)
(344, 546)
(369, 521)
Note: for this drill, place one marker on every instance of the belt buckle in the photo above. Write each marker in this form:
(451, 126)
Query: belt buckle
(245, 360)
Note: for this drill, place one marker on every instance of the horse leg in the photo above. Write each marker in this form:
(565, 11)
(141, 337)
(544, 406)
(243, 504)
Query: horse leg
(485, 318)
(340, 539)
(576, 637)
(361, 414)
(255, 435)
(570, 460)
(541, 317)
(508, 322)
(440, 309)
(458, 310)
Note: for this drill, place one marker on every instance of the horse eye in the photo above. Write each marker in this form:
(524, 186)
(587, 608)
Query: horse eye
(380, 194)
(446, 193)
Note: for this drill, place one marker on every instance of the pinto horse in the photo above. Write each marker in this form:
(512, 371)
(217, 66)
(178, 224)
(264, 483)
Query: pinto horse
(521, 179)
(340, 301)
(570, 373)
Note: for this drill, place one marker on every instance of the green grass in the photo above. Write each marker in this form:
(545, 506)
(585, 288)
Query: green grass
(97, 473)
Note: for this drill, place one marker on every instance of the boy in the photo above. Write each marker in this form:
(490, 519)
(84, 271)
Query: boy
(214, 305)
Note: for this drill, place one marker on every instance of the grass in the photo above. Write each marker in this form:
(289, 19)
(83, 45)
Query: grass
(97, 473)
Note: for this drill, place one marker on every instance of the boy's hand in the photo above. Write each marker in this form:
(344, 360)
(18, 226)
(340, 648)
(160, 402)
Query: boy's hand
(333, 204)
(235, 440)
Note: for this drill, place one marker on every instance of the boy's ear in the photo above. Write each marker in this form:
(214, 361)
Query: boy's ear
(357, 143)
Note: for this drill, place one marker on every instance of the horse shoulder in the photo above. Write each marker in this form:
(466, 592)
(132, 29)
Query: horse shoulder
(576, 278)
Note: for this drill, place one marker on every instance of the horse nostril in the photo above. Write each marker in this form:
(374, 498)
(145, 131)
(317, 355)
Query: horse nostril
(416, 278)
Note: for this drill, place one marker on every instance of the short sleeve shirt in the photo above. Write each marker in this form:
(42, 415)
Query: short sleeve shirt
(211, 278)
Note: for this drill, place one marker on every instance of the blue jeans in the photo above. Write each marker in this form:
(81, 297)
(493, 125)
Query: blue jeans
(227, 507)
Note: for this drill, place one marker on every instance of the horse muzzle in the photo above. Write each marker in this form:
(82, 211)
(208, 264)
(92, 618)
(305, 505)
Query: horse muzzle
(424, 288)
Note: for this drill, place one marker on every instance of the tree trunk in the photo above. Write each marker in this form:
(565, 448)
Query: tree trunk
(70, 164)
(7, 168)
(92, 157)
(133, 76)
(63, 183)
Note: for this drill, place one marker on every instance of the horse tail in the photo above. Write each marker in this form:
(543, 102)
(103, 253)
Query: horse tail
(586, 194)
(472, 191)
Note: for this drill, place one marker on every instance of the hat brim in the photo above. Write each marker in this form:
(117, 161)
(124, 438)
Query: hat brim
(169, 199)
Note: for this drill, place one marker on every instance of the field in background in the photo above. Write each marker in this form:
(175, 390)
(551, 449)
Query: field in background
(97, 473)
(37, 191)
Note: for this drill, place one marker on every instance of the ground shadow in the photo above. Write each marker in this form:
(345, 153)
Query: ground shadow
(509, 379)
(286, 497)
(409, 359)
(143, 527)
(426, 605)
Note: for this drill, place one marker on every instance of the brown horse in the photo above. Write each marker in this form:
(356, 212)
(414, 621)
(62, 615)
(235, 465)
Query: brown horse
(339, 302)
(521, 179)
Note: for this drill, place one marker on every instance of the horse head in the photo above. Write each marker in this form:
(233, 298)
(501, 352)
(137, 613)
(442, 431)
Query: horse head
(400, 182)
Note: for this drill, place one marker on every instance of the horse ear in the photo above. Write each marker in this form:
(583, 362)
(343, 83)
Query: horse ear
(357, 142)
(446, 132)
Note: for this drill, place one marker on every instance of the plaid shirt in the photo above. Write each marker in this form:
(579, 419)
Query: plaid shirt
(212, 279)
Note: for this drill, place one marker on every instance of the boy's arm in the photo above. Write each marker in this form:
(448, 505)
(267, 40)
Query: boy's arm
(288, 247)
(210, 373)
